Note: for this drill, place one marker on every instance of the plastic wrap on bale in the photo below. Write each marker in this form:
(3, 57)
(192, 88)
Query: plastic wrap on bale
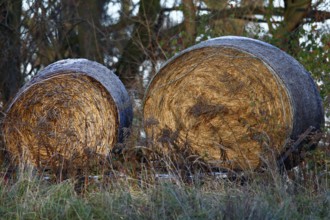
(72, 112)
(233, 102)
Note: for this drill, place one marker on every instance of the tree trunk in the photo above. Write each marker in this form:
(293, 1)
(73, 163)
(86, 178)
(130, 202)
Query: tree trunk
(90, 12)
(189, 13)
(10, 75)
(294, 13)
(140, 43)
(68, 37)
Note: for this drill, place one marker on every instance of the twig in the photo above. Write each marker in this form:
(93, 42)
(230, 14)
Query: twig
(294, 147)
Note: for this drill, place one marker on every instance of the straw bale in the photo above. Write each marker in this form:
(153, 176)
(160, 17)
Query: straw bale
(227, 105)
(63, 115)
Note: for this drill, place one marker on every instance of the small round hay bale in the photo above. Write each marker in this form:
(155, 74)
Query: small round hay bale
(232, 101)
(72, 110)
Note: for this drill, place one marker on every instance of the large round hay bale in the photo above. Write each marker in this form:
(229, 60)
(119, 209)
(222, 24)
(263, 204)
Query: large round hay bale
(232, 101)
(72, 110)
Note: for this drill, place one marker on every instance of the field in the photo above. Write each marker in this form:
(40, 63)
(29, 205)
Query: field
(129, 194)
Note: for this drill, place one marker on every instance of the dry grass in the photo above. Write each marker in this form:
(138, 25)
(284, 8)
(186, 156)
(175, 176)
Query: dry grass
(140, 184)
(143, 195)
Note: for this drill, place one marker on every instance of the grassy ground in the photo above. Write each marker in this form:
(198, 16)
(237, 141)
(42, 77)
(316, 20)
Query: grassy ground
(266, 195)
(136, 193)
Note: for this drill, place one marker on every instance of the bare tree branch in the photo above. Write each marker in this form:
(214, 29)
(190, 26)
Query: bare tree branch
(239, 12)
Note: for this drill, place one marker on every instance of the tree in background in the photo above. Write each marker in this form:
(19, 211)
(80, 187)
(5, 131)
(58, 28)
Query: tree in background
(142, 34)
(10, 74)
(141, 43)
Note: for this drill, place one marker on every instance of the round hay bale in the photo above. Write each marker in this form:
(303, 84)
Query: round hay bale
(232, 101)
(72, 110)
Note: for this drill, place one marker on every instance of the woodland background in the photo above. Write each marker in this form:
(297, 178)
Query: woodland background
(134, 37)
